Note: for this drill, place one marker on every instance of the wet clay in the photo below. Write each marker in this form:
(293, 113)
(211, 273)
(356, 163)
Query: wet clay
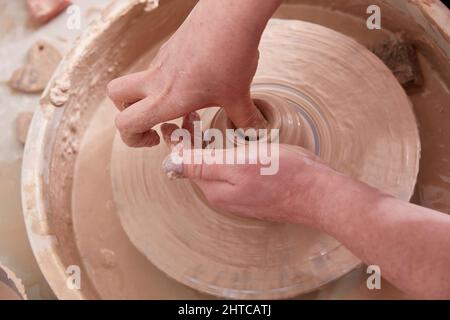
(401, 58)
(350, 112)
(113, 265)
(119, 271)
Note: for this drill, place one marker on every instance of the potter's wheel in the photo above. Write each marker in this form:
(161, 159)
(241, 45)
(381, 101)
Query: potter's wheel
(328, 94)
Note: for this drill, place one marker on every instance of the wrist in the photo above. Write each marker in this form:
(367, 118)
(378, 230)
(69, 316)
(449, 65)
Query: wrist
(333, 199)
(352, 200)
(242, 16)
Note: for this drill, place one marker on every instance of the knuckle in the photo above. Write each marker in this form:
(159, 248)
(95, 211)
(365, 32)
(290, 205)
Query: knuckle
(129, 142)
(119, 123)
(133, 141)
(122, 124)
(194, 171)
(111, 89)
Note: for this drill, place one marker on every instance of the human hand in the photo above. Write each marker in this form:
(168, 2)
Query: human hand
(209, 61)
(294, 194)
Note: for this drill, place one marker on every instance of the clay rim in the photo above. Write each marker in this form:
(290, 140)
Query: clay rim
(34, 158)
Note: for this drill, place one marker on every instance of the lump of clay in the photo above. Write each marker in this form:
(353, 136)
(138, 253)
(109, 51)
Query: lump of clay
(400, 56)
(41, 61)
(44, 10)
(23, 122)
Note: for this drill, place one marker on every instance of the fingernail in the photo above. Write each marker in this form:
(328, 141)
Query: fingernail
(173, 166)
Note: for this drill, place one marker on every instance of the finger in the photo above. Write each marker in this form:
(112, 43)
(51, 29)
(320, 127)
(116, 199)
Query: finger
(188, 124)
(126, 90)
(215, 192)
(244, 114)
(149, 138)
(167, 129)
(134, 125)
(188, 121)
(145, 114)
(203, 171)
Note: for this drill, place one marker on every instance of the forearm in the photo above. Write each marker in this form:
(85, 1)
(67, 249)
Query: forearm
(410, 244)
(250, 14)
(241, 21)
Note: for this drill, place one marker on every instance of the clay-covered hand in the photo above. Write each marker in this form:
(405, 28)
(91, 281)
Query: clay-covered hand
(294, 194)
(209, 61)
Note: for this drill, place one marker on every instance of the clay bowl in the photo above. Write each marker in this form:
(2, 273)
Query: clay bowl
(76, 92)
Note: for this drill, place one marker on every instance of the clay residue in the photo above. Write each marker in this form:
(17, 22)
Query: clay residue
(59, 92)
(41, 61)
(401, 58)
(44, 10)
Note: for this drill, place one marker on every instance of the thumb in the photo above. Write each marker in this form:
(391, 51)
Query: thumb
(244, 114)
(177, 166)
(135, 122)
